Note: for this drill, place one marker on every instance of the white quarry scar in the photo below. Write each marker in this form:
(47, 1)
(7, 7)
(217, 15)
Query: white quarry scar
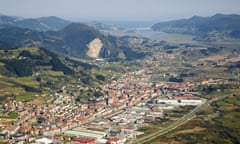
(94, 48)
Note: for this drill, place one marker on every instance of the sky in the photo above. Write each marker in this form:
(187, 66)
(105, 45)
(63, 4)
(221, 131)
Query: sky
(118, 10)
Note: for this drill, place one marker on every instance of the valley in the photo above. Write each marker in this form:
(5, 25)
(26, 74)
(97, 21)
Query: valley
(78, 84)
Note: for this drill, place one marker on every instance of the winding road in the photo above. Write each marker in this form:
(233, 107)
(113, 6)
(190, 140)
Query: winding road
(177, 123)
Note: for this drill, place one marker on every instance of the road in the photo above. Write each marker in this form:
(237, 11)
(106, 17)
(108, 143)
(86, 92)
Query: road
(177, 123)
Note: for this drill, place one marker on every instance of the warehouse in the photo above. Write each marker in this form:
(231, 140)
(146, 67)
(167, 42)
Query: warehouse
(81, 132)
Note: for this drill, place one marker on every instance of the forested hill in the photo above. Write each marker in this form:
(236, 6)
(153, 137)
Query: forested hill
(228, 25)
(28, 62)
(73, 40)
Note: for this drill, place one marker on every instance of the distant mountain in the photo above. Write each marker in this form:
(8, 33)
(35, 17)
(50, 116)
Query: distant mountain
(38, 24)
(7, 19)
(72, 40)
(219, 24)
(98, 25)
(102, 26)
(76, 40)
(43, 23)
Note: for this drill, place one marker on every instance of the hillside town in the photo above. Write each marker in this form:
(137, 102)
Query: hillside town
(128, 103)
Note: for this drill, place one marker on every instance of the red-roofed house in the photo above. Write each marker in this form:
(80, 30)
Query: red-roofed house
(114, 141)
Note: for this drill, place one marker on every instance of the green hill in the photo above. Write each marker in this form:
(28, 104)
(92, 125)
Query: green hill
(73, 40)
(13, 37)
(25, 72)
(77, 36)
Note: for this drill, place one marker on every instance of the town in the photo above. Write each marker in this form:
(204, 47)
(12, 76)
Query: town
(114, 115)
(128, 103)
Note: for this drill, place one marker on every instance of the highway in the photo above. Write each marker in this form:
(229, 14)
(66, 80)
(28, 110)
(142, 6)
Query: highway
(177, 123)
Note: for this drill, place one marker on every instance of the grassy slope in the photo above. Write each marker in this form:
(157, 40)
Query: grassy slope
(219, 123)
(43, 80)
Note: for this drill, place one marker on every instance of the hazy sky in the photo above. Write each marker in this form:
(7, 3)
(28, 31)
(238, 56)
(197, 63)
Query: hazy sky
(135, 10)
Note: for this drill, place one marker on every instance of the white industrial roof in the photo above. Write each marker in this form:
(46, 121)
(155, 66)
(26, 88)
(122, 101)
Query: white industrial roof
(44, 141)
(84, 134)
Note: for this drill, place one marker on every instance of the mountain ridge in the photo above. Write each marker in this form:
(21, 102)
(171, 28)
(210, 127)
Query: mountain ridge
(227, 25)
(37, 24)
(72, 40)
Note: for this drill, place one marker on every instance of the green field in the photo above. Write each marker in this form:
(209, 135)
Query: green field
(28, 81)
(218, 123)
(53, 73)
(10, 115)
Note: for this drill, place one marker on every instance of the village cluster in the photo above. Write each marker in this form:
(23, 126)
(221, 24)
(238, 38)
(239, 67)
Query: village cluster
(128, 103)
